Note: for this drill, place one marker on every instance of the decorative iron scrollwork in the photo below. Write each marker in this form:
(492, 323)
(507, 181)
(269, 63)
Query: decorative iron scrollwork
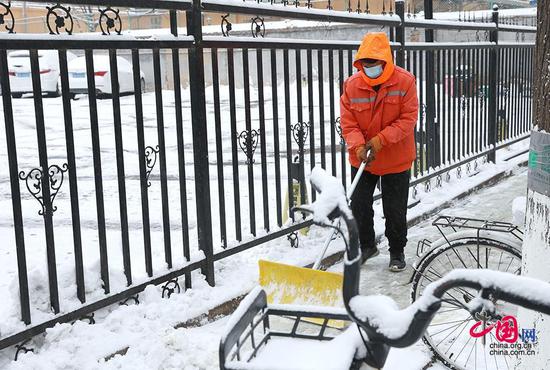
(33, 181)
(428, 186)
(258, 27)
(58, 18)
(293, 239)
(109, 19)
(170, 287)
(6, 17)
(476, 165)
(248, 141)
(438, 181)
(338, 127)
(447, 176)
(134, 298)
(459, 172)
(21, 348)
(227, 26)
(414, 192)
(300, 131)
(468, 168)
(151, 155)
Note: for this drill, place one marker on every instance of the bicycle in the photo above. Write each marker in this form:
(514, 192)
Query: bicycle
(473, 244)
(252, 341)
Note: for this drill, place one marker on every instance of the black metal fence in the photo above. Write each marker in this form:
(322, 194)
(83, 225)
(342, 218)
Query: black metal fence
(168, 180)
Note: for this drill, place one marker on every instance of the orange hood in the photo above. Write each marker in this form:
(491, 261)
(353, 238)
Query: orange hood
(375, 45)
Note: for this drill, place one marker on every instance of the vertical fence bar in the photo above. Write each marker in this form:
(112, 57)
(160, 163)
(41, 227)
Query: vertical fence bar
(493, 88)
(462, 103)
(181, 150)
(455, 92)
(300, 107)
(234, 153)
(517, 73)
(311, 118)
(486, 97)
(400, 33)
(219, 149)
(286, 66)
(162, 159)
(15, 190)
(115, 95)
(142, 168)
(443, 120)
(332, 111)
(449, 114)
(250, 163)
(467, 74)
(71, 162)
(263, 144)
(433, 139)
(341, 90)
(321, 108)
(437, 72)
(45, 180)
(477, 86)
(98, 177)
(425, 147)
(200, 139)
(276, 149)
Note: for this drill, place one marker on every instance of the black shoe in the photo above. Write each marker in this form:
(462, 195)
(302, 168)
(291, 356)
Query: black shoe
(368, 253)
(397, 262)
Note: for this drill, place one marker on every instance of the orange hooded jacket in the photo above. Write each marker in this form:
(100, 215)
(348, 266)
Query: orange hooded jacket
(390, 113)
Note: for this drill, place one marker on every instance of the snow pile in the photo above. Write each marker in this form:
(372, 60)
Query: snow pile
(332, 195)
(518, 210)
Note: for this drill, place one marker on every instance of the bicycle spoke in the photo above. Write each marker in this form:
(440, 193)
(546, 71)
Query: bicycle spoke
(456, 337)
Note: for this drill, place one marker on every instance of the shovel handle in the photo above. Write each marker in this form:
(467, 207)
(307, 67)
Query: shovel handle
(356, 179)
(331, 237)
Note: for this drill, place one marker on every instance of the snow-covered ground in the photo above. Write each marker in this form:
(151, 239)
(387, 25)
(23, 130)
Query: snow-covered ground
(147, 330)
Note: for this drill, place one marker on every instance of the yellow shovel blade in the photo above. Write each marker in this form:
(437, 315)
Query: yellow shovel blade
(287, 284)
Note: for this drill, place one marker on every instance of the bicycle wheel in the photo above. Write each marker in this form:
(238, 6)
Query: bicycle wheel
(448, 335)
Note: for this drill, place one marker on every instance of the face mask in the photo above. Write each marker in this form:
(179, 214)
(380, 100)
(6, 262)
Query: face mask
(374, 72)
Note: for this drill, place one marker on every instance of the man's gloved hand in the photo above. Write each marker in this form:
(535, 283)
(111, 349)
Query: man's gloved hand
(367, 153)
(362, 152)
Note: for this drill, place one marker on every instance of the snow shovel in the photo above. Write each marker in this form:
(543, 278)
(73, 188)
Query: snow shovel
(287, 284)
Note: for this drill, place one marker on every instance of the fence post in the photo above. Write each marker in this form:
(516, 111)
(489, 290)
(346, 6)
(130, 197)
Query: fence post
(493, 89)
(432, 123)
(200, 140)
(400, 33)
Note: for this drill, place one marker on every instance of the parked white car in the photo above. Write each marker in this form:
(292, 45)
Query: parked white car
(19, 67)
(78, 82)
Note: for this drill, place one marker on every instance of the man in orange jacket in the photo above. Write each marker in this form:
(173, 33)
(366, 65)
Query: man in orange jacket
(379, 109)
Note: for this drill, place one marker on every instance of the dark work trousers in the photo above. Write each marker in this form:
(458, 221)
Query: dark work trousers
(395, 194)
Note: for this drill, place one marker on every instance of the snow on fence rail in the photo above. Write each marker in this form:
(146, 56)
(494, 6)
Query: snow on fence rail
(158, 156)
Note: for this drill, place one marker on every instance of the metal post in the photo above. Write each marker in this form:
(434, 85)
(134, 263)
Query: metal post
(493, 89)
(200, 140)
(400, 33)
(432, 124)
